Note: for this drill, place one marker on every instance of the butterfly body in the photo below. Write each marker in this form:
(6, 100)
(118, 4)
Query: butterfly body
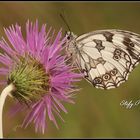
(106, 57)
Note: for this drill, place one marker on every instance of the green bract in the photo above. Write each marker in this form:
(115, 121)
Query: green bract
(30, 79)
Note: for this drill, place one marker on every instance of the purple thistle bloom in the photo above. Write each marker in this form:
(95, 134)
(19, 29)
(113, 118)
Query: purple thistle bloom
(39, 72)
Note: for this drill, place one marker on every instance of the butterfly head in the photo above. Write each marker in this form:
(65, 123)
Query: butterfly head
(71, 41)
(70, 36)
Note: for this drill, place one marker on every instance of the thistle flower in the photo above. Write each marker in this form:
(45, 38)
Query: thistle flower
(38, 72)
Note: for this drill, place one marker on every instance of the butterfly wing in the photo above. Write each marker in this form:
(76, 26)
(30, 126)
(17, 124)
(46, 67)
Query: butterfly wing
(106, 57)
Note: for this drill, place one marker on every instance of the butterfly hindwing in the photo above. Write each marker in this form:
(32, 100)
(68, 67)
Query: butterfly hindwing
(107, 57)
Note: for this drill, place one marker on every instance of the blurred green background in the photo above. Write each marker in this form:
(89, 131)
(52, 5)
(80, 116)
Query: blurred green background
(96, 113)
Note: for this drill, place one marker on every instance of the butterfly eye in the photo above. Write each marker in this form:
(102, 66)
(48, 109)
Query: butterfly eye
(68, 37)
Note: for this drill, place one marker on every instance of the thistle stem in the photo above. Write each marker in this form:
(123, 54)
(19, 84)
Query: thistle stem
(3, 96)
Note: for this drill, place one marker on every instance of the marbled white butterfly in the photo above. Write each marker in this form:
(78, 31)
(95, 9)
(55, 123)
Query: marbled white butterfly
(106, 57)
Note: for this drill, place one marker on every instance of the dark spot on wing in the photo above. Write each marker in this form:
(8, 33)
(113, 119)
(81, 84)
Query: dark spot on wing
(108, 36)
(128, 42)
(99, 45)
(130, 47)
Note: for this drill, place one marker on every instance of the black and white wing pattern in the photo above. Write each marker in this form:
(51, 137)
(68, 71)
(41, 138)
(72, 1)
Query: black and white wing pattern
(106, 57)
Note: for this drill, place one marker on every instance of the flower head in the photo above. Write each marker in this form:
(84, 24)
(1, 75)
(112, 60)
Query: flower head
(39, 72)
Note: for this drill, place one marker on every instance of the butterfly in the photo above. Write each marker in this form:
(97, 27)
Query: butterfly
(105, 57)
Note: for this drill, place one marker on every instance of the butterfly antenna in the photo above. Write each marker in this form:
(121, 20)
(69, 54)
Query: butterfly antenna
(65, 22)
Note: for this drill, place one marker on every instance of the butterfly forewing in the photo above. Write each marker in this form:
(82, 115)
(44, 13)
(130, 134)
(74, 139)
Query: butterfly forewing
(106, 57)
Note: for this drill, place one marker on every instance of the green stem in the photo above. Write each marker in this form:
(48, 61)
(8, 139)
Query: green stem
(3, 96)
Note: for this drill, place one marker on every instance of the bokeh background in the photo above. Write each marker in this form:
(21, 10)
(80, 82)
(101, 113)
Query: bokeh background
(96, 113)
